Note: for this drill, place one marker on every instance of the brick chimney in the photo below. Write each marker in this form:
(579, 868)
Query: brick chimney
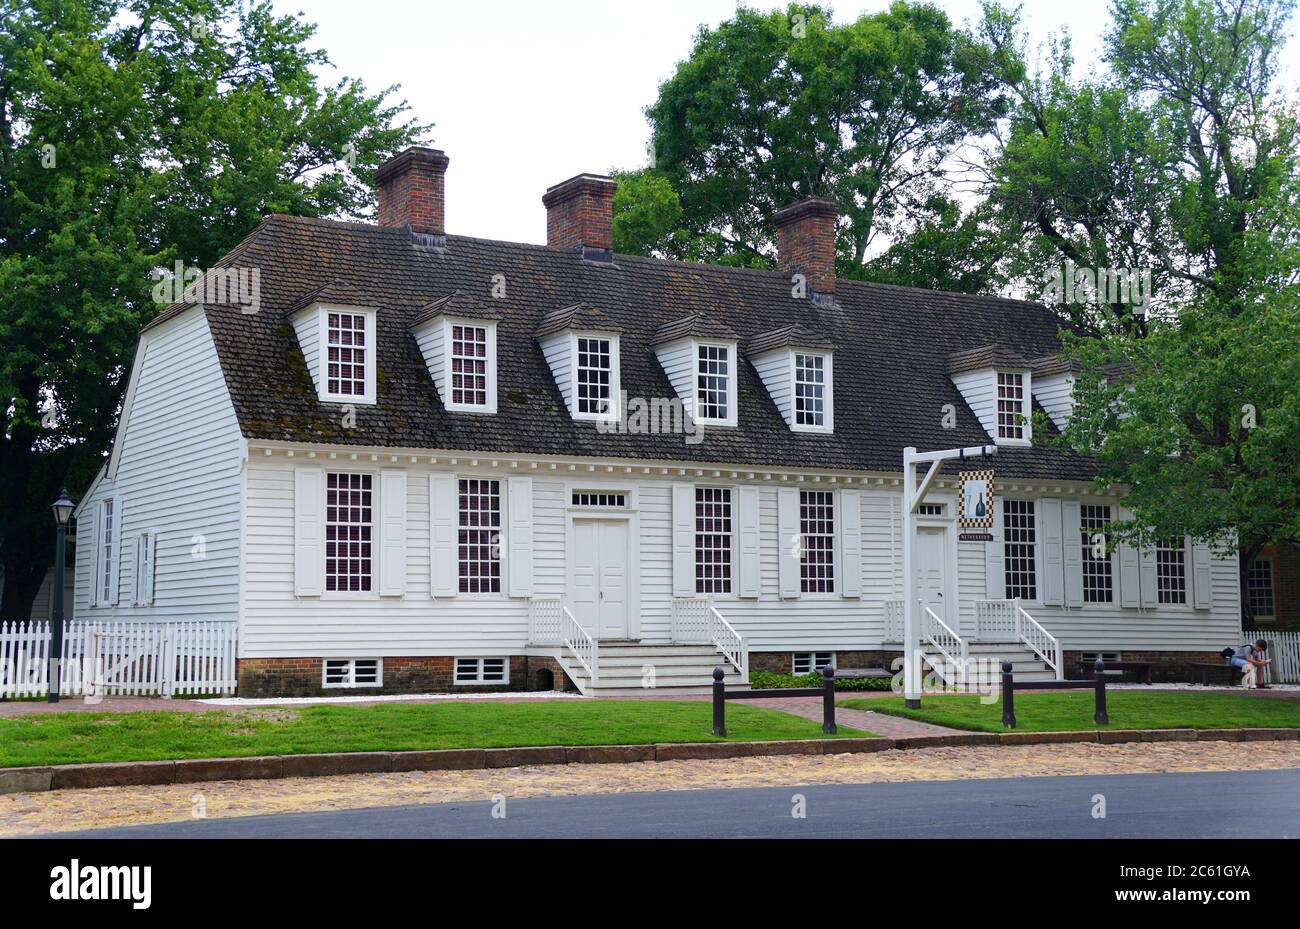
(580, 215)
(412, 190)
(805, 241)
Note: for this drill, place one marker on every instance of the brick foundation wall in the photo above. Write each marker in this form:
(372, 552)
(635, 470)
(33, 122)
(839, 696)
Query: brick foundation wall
(301, 677)
(1165, 666)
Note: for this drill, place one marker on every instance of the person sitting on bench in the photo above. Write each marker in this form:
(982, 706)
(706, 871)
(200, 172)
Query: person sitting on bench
(1250, 658)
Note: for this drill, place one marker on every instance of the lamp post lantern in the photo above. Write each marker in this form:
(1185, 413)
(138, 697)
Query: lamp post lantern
(62, 508)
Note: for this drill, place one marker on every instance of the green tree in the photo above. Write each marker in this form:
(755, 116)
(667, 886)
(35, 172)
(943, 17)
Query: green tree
(770, 108)
(133, 134)
(1165, 162)
(1181, 159)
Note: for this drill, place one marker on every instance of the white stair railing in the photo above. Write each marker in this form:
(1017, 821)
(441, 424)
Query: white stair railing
(1008, 621)
(727, 640)
(1045, 645)
(551, 623)
(893, 621)
(696, 621)
(544, 621)
(690, 618)
(580, 644)
(995, 620)
(949, 644)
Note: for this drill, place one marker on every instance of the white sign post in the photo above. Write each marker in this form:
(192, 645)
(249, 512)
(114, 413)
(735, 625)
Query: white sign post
(913, 497)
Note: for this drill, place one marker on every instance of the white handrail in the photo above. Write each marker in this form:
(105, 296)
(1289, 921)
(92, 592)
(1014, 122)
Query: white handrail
(893, 621)
(584, 648)
(728, 641)
(939, 634)
(1045, 645)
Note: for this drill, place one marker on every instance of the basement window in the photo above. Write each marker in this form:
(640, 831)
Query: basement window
(808, 662)
(352, 672)
(480, 671)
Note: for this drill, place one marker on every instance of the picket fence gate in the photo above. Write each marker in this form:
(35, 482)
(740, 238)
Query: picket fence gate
(1284, 649)
(120, 658)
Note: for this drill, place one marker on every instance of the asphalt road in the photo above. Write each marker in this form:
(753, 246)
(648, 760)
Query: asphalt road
(1191, 805)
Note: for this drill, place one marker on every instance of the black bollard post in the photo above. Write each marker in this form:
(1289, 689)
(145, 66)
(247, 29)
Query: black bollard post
(1008, 697)
(1099, 675)
(719, 703)
(828, 701)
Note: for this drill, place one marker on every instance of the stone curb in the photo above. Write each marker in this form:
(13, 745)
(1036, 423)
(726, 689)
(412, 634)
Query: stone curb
(198, 770)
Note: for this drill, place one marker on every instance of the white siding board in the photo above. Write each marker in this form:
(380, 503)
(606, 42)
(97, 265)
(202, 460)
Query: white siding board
(1055, 392)
(177, 473)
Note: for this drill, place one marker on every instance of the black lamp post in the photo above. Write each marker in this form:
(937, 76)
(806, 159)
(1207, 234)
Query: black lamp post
(62, 514)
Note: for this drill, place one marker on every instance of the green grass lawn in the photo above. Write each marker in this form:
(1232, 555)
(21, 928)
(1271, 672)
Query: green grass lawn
(1069, 710)
(66, 738)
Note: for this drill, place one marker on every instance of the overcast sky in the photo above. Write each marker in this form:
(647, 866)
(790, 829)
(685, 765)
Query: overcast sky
(525, 94)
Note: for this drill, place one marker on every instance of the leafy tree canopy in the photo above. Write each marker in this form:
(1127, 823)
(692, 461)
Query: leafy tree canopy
(134, 133)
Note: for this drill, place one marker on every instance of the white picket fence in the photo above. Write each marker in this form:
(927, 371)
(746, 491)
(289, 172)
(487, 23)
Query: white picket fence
(1284, 649)
(120, 658)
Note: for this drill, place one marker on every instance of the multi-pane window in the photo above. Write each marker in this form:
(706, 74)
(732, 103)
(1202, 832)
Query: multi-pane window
(1259, 588)
(931, 509)
(713, 540)
(1171, 571)
(817, 539)
(469, 365)
(480, 537)
(809, 390)
(482, 671)
(1094, 528)
(598, 499)
(345, 341)
(713, 382)
(1019, 538)
(1011, 405)
(104, 572)
(595, 375)
(349, 524)
(808, 662)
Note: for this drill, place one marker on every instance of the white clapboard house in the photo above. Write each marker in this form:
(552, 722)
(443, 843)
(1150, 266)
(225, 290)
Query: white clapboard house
(420, 461)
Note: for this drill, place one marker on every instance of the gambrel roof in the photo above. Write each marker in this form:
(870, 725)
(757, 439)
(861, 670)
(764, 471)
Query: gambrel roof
(892, 348)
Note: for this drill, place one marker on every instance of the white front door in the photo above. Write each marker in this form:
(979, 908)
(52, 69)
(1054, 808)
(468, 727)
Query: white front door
(600, 576)
(930, 575)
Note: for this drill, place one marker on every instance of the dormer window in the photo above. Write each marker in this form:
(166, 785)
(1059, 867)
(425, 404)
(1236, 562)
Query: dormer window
(715, 396)
(457, 335)
(1012, 415)
(582, 350)
(336, 332)
(811, 377)
(997, 384)
(699, 357)
(595, 375)
(349, 359)
(469, 365)
(795, 366)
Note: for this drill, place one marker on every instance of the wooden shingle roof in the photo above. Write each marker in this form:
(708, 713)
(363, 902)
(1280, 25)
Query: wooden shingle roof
(890, 378)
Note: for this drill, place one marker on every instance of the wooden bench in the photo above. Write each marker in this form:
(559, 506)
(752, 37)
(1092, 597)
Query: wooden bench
(1205, 668)
(1141, 669)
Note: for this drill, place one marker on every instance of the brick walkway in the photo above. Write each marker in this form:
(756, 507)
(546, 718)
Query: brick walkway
(891, 727)
(25, 814)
